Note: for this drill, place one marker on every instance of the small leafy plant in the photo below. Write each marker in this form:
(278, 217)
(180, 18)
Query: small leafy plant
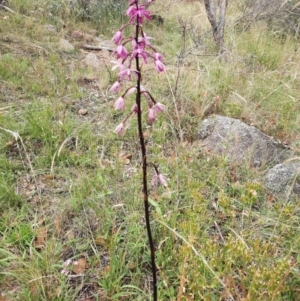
(129, 66)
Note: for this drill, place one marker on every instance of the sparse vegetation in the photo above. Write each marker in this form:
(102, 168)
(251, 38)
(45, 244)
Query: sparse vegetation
(70, 188)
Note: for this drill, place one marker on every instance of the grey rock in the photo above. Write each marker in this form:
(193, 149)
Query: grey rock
(93, 32)
(49, 28)
(66, 46)
(284, 179)
(240, 142)
(91, 60)
(107, 44)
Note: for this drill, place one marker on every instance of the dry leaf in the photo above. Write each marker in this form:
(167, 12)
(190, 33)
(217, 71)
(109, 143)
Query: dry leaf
(10, 144)
(124, 158)
(146, 134)
(188, 297)
(225, 294)
(100, 241)
(80, 266)
(70, 235)
(77, 34)
(131, 265)
(41, 237)
(270, 200)
(49, 177)
(57, 224)
(106, 270)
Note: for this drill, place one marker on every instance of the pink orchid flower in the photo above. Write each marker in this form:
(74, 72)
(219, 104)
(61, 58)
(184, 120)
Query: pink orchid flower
(134, 109)
(117, 65)
(115, 87)
(131, 90)
(120, 104)
(158, 178)
(121, 52)
(119, 129)
(118, 37)
(159, 66)
(126, 74)
(152, 114)
(158, 107)
(139, 13)
(140, 52)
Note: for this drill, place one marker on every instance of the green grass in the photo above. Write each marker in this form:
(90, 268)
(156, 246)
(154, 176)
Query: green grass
(71, 189)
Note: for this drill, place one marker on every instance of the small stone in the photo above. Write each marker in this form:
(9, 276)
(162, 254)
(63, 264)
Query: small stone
(77, 35)
(88, 37)
(93, 32)
(283, 179)
(66, 46)
(82, 112)
(50, 28)
(91, 60)
(108, 44)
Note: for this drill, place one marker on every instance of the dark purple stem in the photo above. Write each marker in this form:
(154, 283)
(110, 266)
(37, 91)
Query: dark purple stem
(144, 166)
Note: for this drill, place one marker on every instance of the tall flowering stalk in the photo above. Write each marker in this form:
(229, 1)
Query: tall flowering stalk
(131, 52)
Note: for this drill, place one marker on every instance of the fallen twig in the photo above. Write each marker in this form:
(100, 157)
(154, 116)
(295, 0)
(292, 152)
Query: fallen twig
(7, 8)
(91, 47)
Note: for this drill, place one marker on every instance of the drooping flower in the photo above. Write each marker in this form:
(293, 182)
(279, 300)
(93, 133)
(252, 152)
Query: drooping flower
(159, 66)
(159, 107)
(131, 10)
(134, 108)
(140, 13)
(158, 56)
(118, 65)
(158, 178)
(139, 51)
(121, 52)
(119, 103)
(131, 90)
(158, 60)
(162, 180)
(115, 87)
(126, 74)
(151, 115)
(117, 37)
(145, 40)
(119, 129)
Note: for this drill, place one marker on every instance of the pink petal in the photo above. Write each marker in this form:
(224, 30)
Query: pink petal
(162, 180)
(159, 66)
(151, 115)
(119, 104)
(159, 107)
(158, 56)
(131, 90)
(118, 37)
(121, 52)
(131, 11)
(115, 87)
(134, 108)
(154, 180)
(119, 129)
